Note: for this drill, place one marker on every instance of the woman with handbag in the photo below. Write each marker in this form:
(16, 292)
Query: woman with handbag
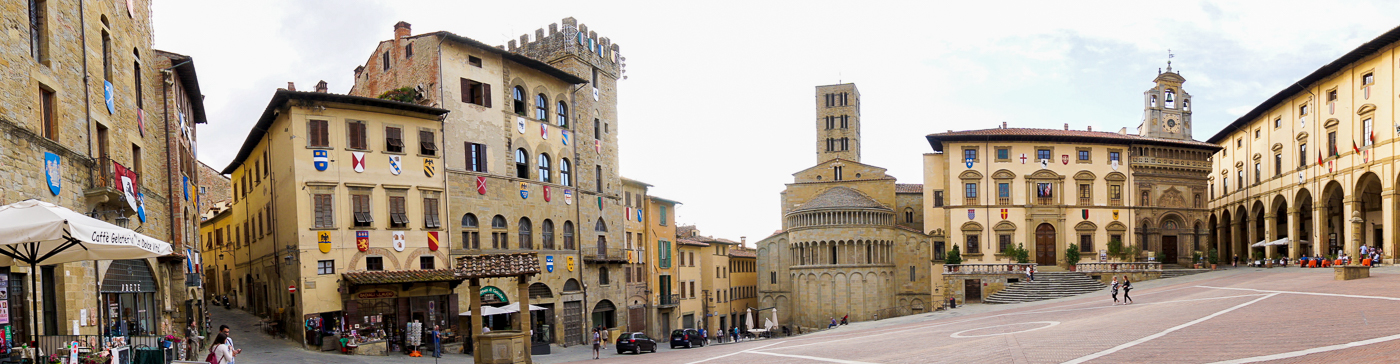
(220, 353)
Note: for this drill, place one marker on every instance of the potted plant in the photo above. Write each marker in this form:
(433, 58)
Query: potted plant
(1196, 259)
(1213, 257)
(1072, 256)
(1115, 248)
(954, 257)
(1022, 255)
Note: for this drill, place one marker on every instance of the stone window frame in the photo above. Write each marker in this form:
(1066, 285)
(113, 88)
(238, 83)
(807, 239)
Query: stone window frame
(1086, 152)
(1366, 113)
(973, 178)
(972, 233)
(1367, 73)
(1115, 179)
(976, 154)
(1332, 97)
(998, 149)
(1083, 228)
(1051, 150)
(1110, 155)
(387, 139)
(1005, 229)
(350, 140)
(313, 189)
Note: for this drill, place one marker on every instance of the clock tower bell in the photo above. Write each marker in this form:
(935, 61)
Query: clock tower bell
(1166, 108)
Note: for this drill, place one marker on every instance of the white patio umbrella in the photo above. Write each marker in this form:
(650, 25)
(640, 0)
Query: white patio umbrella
(775, 317)
(36, 232)
(748, 319)
(489, 311)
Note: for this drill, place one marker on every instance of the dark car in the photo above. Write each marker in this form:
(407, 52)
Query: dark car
(689, 338)
(635, 342)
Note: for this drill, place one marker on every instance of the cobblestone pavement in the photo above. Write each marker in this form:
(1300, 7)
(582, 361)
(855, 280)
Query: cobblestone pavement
(1288, 315)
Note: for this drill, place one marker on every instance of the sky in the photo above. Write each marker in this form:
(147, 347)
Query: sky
(718, 107)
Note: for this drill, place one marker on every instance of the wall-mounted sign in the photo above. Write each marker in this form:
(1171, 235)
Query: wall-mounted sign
(399, 241)
(376, 294)
(53, 172)
(362, 240)
(549, 263)
(395, 164)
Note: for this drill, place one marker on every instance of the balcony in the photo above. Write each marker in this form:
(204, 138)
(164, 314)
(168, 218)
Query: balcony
(605, 255)
(104, 189)
(668, 301)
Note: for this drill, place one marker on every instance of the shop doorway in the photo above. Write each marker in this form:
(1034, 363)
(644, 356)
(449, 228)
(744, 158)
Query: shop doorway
(1169, 249)
(1045, 244)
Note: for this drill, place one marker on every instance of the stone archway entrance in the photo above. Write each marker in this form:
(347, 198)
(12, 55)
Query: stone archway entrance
(1045, 244)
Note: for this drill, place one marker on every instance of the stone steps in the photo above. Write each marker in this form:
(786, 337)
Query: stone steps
(1047, 285)
(1173, 273)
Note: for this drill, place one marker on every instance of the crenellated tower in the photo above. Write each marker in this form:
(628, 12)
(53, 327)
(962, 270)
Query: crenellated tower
(838, 122)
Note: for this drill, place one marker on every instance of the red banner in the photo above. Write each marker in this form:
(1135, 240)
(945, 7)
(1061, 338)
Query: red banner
(433, 240)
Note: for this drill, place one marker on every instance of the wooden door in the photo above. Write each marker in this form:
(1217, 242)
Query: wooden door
(972, 291)
(573, 322)
(1169, 249)
(1045, 244)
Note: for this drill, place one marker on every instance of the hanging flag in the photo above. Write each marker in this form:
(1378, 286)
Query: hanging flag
(141, 206)
(564, 137)
(357, 161)
(600, 203)
(1329, 166)
(433, 240)
(481, 185)
(110, 96)
(321, 159)
(1366, 156)
(545, 191)
(1319, 158)
(598, 146)
(544, 131)
(141, 121)
(639, 215)
(627, 211)
(362, 240)
(1044, 190)
(53, 167)
(186, 184)
(1355, 148)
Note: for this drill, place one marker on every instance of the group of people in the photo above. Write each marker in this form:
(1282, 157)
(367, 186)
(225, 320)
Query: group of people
(1126, 285)
(222, 351)
(600, 340)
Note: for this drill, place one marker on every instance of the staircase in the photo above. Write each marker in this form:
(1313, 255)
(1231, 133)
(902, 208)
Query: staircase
(1047, 285)
(1173, 273)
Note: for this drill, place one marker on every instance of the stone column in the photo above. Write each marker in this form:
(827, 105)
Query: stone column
(1351, 219)
(1269, 233)
(1320, 230)
(1389, 246)
(522, 290)
(1294, 233)
(474, 305)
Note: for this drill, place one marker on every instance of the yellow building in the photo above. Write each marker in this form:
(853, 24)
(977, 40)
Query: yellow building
(711, 281)
(691, 310)
(337, 215)
(1312, 170)
(660, 248)
(743, 287)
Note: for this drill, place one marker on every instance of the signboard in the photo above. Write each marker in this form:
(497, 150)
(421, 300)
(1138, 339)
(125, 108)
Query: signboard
(569, 263)
(4, 299)
(367, 295)
(292, 288)
(362, 240)
(491, 295)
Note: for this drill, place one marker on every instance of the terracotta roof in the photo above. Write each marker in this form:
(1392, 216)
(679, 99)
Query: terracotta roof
(743, 253)
(1032, 134)
(840, 197)
(400, 276)
(691, 242)
(908, 188)
(498, 265)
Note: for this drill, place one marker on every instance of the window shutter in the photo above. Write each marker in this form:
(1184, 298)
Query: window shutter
(466, 91)
(485, 95)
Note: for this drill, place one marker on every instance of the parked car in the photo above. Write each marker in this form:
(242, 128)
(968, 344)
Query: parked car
(689, 338)
(635, 342)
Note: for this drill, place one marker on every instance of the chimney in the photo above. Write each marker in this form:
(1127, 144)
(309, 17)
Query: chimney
(743, 240)
(1123, 131)
(1091, 128)
(1003, 125)
(359, 70)
(291, 86)
(321, 86)
(402, 29)
(1066, 126)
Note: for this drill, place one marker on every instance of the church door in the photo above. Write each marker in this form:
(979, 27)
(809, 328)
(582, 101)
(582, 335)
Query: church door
(1169, 249)
(1045, 244)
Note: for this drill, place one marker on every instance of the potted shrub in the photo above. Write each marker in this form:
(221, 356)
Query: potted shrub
(1021, 255)
(954, 257)
(1196, 259)
(1072, 256)
(1213, 257)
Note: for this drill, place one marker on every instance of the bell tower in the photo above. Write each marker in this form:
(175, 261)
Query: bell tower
(1166, 107)
(838, 122)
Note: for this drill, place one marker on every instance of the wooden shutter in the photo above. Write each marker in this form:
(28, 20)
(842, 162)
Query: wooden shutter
(485, 95)
(357, 135)
(467, 96)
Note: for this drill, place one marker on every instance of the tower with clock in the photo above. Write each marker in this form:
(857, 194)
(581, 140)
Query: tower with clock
(1166, 107)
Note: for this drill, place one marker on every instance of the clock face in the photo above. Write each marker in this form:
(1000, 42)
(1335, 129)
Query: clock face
(1171, 123)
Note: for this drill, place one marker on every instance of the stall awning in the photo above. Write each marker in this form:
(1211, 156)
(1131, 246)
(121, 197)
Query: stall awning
(490, 311)
(1262, 243)
(400, 276)
(516, 308)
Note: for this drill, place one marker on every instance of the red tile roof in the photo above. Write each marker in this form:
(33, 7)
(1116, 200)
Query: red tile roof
(498, 265)
(400, 276)
(743, 253)
(908, 188)
(692, 242)
(1030, 134)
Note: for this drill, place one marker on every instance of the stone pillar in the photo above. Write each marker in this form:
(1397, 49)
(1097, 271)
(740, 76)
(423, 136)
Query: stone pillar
(1295, 233)
(1320, 230)
(1269, 225)
(1388, 247)
(474, 305)
(522, 290)
(1351, 219)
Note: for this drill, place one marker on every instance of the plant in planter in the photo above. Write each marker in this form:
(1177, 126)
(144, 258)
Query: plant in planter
(954, 256)
(402, 94)
(1072, 256)
(1022, 255)
(1213, 257)
(1115, 248)
(1196, 259)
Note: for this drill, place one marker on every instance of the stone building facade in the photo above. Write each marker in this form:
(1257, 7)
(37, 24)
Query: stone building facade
(848, 245)
(86, 91)
(1311, 171)
(534, 153)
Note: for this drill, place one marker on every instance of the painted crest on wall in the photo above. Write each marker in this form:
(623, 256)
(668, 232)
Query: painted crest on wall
(971, 214)
(549, 263)
(395, 164)
(399, 241)
(323, 241)
(545, 192)
(481, 185)
(524, 190)
(362, 240)
(357, 161)
(429, 167)
(1004, 213)
(321, 159)
(53, 172)
(969, 163)
(433, 240)
(1064, 158)
(568, 197)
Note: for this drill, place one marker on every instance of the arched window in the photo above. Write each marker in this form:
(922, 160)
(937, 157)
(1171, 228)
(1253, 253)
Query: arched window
(541, 113)
(547, 233)
(519, 96)
(564, 172)
(601, 226)
(543, 163)
(522, 164)
(908, 215)
(525, 241)
(598, 174)
(602, 238)
(499, 239)
(563, 114)
(471, 238)
(568, 235)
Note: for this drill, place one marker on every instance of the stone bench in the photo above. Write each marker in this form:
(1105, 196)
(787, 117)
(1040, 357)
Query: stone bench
(1350, 272)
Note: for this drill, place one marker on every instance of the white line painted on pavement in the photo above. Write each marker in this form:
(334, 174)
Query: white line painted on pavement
(1163, 333)
(959, 334)
(1307, 293)
(1294, 354)
(812, 358)
(736, 353)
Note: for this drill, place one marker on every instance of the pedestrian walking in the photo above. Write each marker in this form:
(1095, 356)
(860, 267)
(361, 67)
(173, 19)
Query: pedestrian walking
(1114, 289)
(596, 342)
(191, 347)
(735, 334)
(437, 341)
(228, 340)
(1127, 286)
(1235, 261)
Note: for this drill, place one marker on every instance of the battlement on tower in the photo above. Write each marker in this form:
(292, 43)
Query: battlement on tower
(573, 39)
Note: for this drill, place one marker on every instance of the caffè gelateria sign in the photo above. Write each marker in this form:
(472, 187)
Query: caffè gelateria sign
(376, 294)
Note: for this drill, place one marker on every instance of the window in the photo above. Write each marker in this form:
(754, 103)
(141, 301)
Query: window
(430, 211)
(938, 198)
(970, 154)
(499, 239)
(427, 143)
(1239, 142)
(374, 263)
(518, 95)
(471, 238)
(973, 246)
(663, 249)
(1003, 193)
(598, 174)
(908, 216)
(1085, 194)
(836, 173)
(398, 211)
(476, 92)
(772, 277)
(568, 235)
(136, 79)
(1278, 164)
(547, 235)
(845, 121)
(1086, 242)
(1258, 172)
(522, 164)
(1145, 199)
(359, 206)
(1044, 193)
(1332, 95)
(1114, 156)
(564, 176)
(38, 30)
(603, 276)
(562, 115)
(597, 129)
(1368, 79)
(541, 112)
(106, 54)
(663, 215)
(1154, 101)
(136, 163)
(1003, 153)
(385, 61)
(1332, 142)
(543, 163)
(356, 135)
(319, 134)
(1278, 122)
(474, 61)
(1303, 154)
(393, 139)
(325, 267)
(1084, 155)
(1367, 136)
(970, 193)
(48, 114)
(476, 157)
(408, 51)
(1004, 243)
(324, 211)
(426, 262)
(526, 237)
(1042, 154)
